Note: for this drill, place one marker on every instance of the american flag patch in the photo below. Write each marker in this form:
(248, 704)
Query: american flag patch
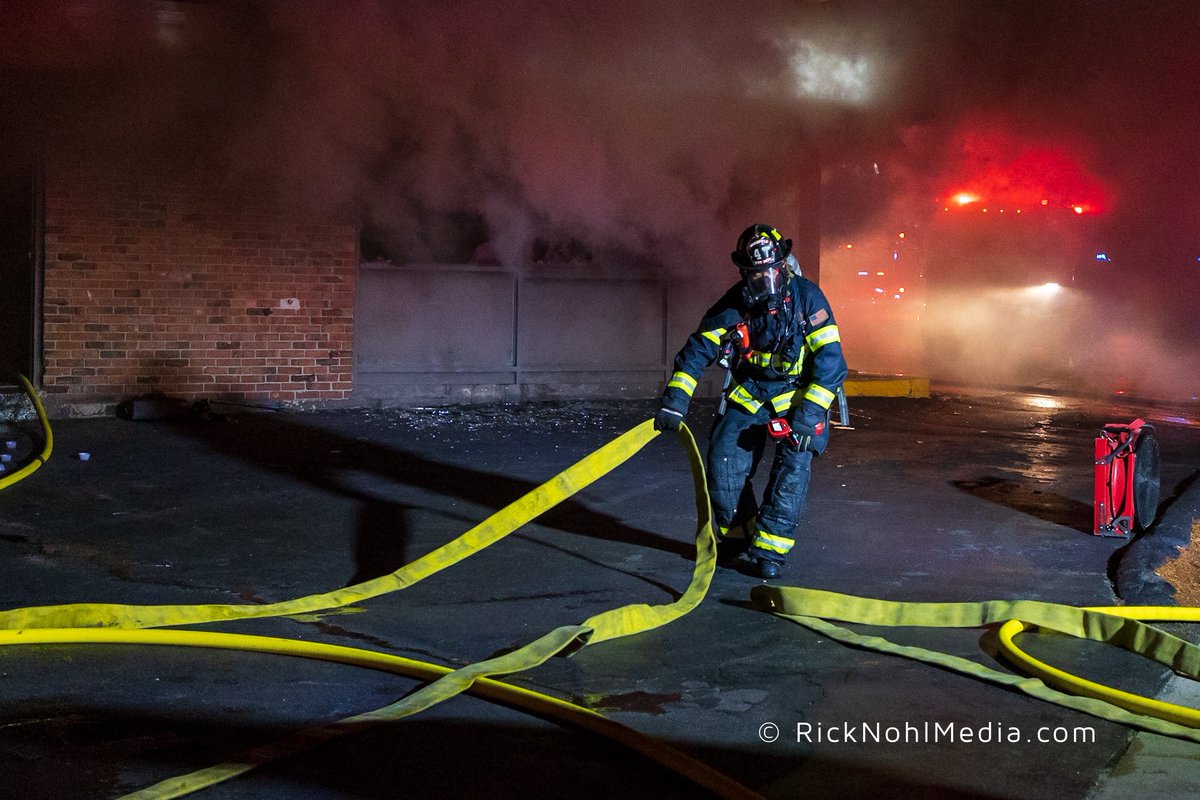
(819, 317)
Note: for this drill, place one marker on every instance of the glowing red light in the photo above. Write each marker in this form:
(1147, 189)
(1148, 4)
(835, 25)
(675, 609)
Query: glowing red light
(1016, 173)
(1078, 209)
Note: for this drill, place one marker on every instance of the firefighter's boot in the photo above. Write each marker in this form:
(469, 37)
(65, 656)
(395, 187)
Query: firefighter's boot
(767, 569)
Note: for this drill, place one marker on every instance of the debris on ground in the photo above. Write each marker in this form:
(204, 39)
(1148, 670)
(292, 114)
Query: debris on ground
(1183, 572)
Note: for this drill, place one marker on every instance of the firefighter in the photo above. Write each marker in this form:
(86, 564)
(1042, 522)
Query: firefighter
(777, 333)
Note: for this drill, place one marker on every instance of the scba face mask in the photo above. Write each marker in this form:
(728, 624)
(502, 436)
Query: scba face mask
(762, 255)
(764, 285)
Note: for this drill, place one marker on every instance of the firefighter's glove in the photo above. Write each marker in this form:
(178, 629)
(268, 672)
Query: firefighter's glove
(801, 428)
(808, 435)
(798, 435)
(667, 419)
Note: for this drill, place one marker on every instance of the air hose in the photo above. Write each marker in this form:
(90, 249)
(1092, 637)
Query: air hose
(47, 435)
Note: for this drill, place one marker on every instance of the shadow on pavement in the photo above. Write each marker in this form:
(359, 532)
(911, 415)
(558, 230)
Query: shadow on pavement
(324, 458)
(504, 758)
(1046, 506)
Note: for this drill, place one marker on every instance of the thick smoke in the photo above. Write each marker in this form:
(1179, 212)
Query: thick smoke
(647, 134)
(627, 132)
(624, 133)
(1074, 103)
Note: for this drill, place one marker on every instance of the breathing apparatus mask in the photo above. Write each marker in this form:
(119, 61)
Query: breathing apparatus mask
(764, 287)
(762, 256)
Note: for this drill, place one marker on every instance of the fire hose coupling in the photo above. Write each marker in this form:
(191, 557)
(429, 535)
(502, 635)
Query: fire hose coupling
(781, 430)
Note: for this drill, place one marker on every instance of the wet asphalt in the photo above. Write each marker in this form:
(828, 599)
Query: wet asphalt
(963, 496)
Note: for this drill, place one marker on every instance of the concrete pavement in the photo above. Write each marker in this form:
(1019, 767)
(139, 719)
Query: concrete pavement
(955, 497)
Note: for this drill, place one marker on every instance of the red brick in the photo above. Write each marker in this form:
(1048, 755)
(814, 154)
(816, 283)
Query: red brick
(177, 246)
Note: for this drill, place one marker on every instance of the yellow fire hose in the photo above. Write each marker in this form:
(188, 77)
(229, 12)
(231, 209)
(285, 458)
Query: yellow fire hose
(126, 624)
(1117, 625)
(47, 435)
(112, 623)
(533, 702)
(1169, 712)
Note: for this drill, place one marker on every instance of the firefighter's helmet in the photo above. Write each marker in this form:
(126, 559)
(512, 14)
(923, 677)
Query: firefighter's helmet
(762, 256)
(760, 247)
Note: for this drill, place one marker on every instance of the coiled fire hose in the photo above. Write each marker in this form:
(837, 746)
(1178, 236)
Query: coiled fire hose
(128, 624)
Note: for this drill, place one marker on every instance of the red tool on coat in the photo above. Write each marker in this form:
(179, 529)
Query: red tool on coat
(780, 429)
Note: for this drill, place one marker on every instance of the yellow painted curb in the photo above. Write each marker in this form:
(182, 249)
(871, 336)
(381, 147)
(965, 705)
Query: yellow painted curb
(886, 386)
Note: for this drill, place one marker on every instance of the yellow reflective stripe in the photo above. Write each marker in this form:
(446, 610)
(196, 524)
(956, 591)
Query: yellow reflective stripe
(759, 359)
(819, 338)
(714, 335)
(777, 544)
(776, 361)
(782, 402)
(744, 399)
(820, 395)
(681, 380)
(737, 532)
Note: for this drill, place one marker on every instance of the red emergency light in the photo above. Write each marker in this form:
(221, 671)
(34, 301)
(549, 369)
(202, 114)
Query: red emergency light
(1000, 169)
(1127, 479)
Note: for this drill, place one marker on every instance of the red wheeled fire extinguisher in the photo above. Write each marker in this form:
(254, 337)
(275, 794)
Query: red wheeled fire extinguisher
(1127, 479)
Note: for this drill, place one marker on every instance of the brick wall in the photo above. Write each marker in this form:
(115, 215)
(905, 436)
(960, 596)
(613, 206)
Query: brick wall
(161, 280)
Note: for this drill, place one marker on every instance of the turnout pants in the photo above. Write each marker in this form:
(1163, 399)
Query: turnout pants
(735, 447)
